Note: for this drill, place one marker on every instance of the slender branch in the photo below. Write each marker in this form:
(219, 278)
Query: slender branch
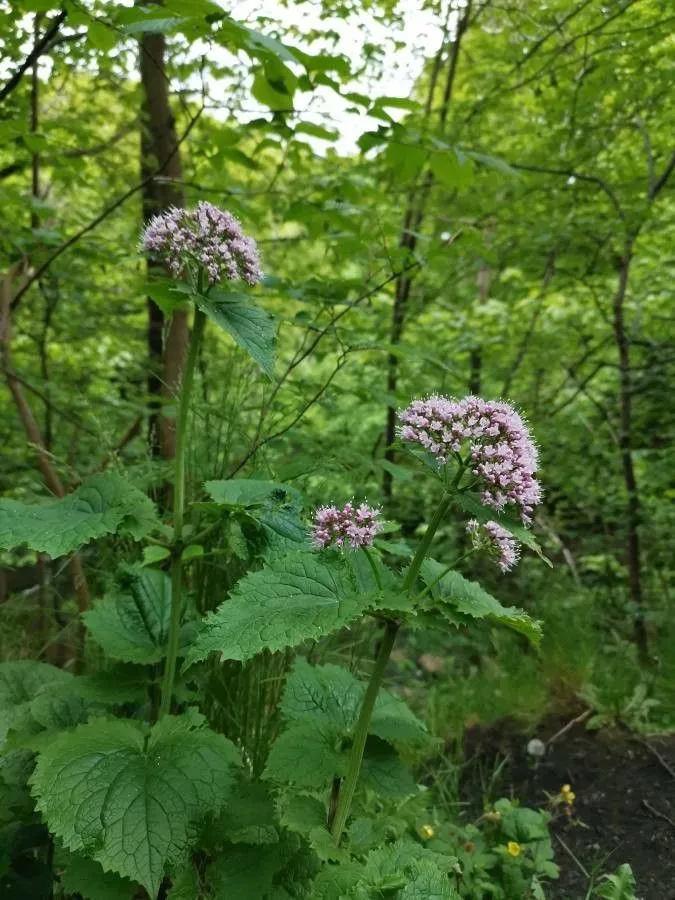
(662, 180)
(102, 216)
(37, 51)
(580, 176)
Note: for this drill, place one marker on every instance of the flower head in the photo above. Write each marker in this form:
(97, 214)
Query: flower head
(427, 832)
(497, 541)
(206, 238)
(500, 451)
(567, 794)
(353, 526)
(513, 848)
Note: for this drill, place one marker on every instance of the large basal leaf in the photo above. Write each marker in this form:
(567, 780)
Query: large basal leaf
(132, 624)
(454, 592)
(128, 801)
(252, 327)
(105, 504)
(293, 599)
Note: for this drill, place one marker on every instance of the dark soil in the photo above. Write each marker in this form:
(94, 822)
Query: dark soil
(625, 801)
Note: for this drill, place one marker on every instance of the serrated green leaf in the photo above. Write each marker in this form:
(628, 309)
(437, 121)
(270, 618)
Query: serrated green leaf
(383, 772)
(247, 492)
(86, 878)
(21, 682)
(332, 695)
(337, 882)
(244, 873)
(116, 686)
(453, 592)
(252, 328)
(132, 624)
(250, 816)
(293, 599)
(428, 882)
(105, 504)
(307, 755)
(154, 554)
(127, 802)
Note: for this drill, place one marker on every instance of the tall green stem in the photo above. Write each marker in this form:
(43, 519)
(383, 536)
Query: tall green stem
(179, 514)
(425, 543)
(391, 630)
(361, 733)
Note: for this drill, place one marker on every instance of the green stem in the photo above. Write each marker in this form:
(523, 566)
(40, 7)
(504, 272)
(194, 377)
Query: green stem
(432, 584)
(361, 733)
(179, 514)
(371, 561)
(425, 543)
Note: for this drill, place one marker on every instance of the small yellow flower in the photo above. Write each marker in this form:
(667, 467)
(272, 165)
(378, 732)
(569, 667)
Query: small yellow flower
(567, 794)
(513, 848)
(427, 832)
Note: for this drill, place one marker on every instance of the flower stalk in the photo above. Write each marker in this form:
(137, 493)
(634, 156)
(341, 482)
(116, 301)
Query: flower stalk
(179, 513)
(346, 794)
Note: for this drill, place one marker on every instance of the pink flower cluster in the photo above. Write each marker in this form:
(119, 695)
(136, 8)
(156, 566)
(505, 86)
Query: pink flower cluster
(497, 540)
(502, 453)
(205, 237)
(350, 526)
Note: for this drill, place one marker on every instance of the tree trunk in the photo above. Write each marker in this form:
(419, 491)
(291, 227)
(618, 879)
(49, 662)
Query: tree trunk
(160, 154)
(633, 560)
(412, 222)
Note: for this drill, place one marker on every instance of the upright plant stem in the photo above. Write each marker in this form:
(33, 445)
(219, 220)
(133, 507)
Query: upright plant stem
(361, 733)
(346, 794)
(179, 514)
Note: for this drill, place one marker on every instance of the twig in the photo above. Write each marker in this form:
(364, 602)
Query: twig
(576, 721)
(34, 55)
(572, 856)
(655, 753)
(655, 812)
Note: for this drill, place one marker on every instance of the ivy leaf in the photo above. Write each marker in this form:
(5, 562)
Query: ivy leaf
(453, 593)
(86, 878)
(105, 504)
(127, 802)
(307, 755)
(252, 328)
(132, 624)
(294, 598)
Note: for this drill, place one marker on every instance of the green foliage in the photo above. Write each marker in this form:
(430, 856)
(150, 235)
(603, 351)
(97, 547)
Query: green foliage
(619, 886)
(132, 623)
(293, 599)
(127, 800)
(251, 327)
(456, 594)
(85, 877)
(105, 504)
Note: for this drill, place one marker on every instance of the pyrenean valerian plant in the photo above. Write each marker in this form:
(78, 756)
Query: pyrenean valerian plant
(128, 776)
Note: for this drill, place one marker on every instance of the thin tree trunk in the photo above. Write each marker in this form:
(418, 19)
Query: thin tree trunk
(412, 222)
(32, 429)
(633, 559)
(159, 151)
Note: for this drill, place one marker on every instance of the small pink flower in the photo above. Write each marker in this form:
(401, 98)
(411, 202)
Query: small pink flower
(497, 541)
(350, 526)
(502, 454)
(206, 238)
